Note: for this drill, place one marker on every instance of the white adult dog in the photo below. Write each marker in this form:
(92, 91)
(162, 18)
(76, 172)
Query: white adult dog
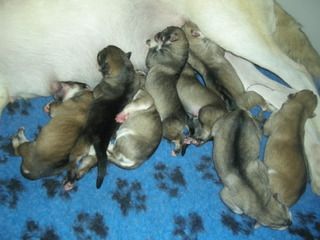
(42, 41)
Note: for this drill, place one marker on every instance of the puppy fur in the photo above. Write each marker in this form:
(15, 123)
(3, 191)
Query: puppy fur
(165, 60)
(217, 71)
(48, 154)
(246, 185)
(111, 95)
(284, 154)
(139, 134)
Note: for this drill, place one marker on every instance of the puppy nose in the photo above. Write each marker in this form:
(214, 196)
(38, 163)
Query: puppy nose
(148, 42)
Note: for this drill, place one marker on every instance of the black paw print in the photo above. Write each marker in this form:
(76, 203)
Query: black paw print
(244, 226)
(129, 196)
(6, 146)
(3, 160)
(188, 228)
(90, 227)
(9, 192)
(308, 226)
(21, 106)
(205, 167)
(34, 231)
(169, 180)
(54, 187)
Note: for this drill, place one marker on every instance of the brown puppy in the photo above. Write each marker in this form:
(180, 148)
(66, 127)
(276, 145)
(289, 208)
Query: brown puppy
(48, 154)
(166, 58)
(208, 59)
(284, 153)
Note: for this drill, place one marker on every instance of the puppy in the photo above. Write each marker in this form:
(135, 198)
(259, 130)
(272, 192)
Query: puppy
(216, 70)
(246, 185)
(48, 154)
(200, 103)
(165, 60)
(284, 154)
(139, 134)
(110, 96)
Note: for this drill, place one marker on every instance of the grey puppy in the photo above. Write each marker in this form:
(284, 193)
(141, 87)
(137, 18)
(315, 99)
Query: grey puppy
(284, 153)
(245, 178)
(208, 59)
(139, 134)
(201, 104)
(48, 154)
(165, 60)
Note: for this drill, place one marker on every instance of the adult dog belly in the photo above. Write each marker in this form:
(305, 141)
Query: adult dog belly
(43, 41)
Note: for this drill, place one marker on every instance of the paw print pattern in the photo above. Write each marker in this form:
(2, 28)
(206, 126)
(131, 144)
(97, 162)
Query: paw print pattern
(34, 231)
(244, 226)
(188, 228)
(21, 106)
(6, 146)
(205, 167)
(169, 180)
(129, 196)
(308, 226)
(54, 187)
(9, 192)
(90, 227)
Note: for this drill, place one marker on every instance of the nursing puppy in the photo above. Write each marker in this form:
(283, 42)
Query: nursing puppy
(200, 103)
(111, 95)
(284, 154)
(48, 154)
(216, 70)
(139, 134)
(246, 185)
(165, 60)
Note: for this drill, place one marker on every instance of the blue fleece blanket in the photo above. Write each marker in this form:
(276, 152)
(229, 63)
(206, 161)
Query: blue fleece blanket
(167, 198)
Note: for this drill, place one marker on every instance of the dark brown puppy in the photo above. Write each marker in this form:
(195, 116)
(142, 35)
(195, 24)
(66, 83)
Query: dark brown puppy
(111, 95)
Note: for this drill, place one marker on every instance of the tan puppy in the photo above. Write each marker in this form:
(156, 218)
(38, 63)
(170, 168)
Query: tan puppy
(48, 154)
(284, 153)
(216, 70)
(245, 178)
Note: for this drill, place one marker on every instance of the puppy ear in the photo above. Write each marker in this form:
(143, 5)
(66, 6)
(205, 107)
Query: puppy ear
(195, 34)
(290, 96)
(128, 54)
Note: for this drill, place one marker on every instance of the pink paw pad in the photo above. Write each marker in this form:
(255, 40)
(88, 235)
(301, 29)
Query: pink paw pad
(122, 117)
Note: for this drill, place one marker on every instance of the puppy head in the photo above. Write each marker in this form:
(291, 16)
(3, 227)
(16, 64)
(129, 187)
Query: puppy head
(63, 91)
(112, 60)
(275, 214)
(192, 32)
(170, 45)
(307, 99)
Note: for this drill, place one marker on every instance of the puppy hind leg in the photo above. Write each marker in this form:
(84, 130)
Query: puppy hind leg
(18, 139)
(228, 198)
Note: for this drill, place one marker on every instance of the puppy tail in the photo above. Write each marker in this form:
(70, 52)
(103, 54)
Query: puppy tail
(102, 159)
